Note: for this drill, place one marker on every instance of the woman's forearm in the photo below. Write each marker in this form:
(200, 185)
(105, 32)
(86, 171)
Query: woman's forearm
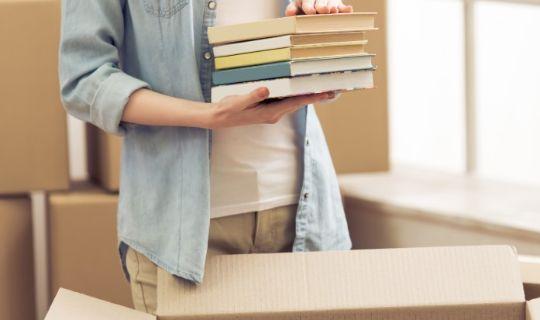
(147, 107)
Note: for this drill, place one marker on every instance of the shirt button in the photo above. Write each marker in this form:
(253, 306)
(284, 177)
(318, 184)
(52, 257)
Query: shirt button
(307, 142)
(306, 196)
(207, 55)
(212, 5)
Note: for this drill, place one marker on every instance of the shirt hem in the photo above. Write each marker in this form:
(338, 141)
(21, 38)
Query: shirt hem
(225, 211)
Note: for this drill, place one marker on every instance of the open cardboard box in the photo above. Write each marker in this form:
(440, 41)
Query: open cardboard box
(530, 270)
(422, 283)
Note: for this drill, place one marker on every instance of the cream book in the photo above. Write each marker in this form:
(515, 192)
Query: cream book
(286, 87)
(289, 54)
(290, 41)
(304, 24)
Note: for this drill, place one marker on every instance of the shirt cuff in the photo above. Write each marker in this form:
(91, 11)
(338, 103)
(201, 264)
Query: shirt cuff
(111, 100)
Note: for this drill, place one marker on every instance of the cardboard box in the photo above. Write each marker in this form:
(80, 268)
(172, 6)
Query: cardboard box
(104, 154)
(356, 125)
(83, 245)
(533, 310)
(16, 259)
(403, 209)
(33, 124)
(423, 283)
(530, 271)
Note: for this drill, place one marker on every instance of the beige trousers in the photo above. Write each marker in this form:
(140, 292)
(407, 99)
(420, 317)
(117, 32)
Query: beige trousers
(257, 232)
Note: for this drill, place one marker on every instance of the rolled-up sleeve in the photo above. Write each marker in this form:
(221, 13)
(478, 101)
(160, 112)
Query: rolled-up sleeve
(93, 87)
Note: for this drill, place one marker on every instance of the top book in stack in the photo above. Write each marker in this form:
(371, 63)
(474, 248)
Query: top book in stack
(304, 24)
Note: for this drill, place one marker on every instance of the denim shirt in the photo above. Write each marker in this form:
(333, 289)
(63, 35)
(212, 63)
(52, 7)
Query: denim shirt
(108, 50)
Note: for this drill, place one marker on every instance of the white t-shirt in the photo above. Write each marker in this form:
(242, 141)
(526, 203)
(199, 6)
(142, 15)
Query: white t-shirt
(257, 167)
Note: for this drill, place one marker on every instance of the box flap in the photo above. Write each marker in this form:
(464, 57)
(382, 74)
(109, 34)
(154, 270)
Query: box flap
(71, 305)
(533, 310)
(431, 283)
(530, 270)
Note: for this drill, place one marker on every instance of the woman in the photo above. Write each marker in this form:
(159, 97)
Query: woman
(198, 178)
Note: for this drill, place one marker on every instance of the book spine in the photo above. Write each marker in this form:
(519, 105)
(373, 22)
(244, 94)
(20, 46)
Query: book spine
(262, 72)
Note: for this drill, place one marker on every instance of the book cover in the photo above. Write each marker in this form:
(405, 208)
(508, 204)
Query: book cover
(290, 69)
(286, 87)
(289, 41)
(304, 24)
(287, 54)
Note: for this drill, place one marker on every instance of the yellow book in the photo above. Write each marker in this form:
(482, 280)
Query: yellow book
(288, 54)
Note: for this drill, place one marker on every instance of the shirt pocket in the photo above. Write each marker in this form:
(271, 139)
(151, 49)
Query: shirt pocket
(164, 8)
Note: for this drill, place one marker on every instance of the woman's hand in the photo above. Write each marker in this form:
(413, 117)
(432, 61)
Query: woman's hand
(298, 7)
(249, 109)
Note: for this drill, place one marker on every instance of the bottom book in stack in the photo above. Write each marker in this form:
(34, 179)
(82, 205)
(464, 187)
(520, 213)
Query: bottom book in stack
(299, 85)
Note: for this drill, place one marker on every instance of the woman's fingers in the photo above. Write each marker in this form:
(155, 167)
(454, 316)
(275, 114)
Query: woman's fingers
(322, 6)
(292, 9)
(273, 112)
(345, 8)
(251, 99)
(308, 6)
(317, 7)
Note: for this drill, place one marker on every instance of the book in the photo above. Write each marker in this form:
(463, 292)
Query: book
(303, 24)
(291, 69)
(289, 41)
(286, 87)
(286, 54)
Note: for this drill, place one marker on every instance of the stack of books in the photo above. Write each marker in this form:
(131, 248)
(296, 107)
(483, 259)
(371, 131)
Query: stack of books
(293, 55)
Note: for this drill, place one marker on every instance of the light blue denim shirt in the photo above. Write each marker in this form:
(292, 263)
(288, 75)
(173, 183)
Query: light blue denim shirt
(111, 48)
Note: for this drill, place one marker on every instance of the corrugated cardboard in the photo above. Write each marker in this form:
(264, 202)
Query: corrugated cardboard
(33, 126)
(410, 209)
(16, 262)
(533, 310)
(530, 271)
(424, 283)
(69, 305)
(356, 125)
(404, 284)
(83, 245)
(104, 154)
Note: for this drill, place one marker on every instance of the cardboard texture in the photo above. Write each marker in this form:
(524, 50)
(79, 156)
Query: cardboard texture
(426, 283)
(423, 283)
(530, 271)
(16, 259)
(83, 245)
(32, 122)
(533, 310)
(418, 209)
(104, 154)
(356, 125)
(70, 305)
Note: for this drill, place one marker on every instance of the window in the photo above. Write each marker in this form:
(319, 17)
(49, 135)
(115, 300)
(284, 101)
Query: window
(465, 86)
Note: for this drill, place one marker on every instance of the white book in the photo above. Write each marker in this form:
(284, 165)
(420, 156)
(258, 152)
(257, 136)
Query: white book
(308, 40)
(304, 67)
(286, 87)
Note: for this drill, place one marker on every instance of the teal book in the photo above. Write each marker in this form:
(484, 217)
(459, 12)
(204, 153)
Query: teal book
(260, 72)
(291, 69)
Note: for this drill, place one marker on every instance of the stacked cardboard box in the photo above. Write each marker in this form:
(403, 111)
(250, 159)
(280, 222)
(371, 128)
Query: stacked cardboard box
(356, 125)
(293, 55)
(427, 283)
(83, 245)
(16, 262)
(33, 124)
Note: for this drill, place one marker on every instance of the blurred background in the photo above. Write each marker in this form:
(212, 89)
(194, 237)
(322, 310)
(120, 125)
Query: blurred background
(445, 151)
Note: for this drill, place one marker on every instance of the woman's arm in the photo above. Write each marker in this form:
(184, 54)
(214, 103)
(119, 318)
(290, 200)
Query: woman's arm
(150, 108)
(94, 89)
